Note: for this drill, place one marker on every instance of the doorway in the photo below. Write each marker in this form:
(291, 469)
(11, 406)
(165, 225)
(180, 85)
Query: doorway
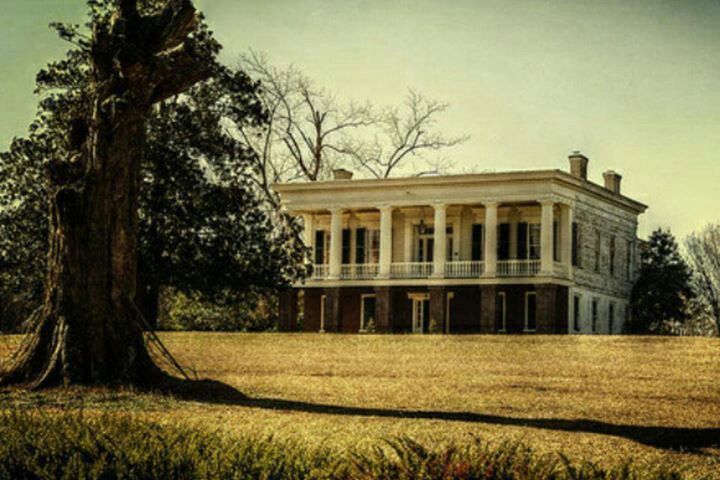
(420, 314)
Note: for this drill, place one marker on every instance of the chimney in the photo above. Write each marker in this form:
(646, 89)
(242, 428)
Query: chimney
(578, 164)
(612, 181)
(342, 174)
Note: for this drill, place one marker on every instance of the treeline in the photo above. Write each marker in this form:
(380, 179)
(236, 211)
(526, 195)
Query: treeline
(678, 293)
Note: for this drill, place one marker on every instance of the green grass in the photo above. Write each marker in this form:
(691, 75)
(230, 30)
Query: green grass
(597, 399)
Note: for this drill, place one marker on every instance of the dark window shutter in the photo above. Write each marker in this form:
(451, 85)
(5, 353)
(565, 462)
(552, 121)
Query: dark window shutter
(346, 246)
(360, 245)
(575, 244)
(319, 247)
(503, 241)
(477, 242)
(522, 250)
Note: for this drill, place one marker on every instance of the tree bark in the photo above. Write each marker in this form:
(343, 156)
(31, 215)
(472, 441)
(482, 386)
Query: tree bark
(89, 330)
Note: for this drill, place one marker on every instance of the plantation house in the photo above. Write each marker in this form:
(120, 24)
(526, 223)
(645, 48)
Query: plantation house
(542, 251)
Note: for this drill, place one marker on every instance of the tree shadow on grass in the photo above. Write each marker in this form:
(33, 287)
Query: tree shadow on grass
(671, 438)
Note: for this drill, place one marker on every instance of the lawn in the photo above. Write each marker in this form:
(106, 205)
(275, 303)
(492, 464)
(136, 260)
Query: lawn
(596, 398)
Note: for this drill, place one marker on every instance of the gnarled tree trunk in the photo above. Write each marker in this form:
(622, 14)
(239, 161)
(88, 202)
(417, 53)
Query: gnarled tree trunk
(89, 330)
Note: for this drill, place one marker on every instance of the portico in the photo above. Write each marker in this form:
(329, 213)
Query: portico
(488, 240)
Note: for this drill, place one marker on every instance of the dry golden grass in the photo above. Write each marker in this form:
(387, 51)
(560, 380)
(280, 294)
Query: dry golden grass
(592, 397)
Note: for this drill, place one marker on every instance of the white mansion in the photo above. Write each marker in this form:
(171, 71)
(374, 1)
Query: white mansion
(534, 251)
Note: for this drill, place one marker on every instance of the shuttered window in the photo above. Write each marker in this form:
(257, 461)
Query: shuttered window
(477, 242)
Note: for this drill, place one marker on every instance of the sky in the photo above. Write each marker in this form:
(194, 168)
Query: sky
(635, 85)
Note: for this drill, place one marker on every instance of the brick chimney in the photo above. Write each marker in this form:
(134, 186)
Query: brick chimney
(578, 164)
(342, 174)
(612, 181)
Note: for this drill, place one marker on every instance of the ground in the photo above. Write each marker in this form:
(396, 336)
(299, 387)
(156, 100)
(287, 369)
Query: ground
(592, 397)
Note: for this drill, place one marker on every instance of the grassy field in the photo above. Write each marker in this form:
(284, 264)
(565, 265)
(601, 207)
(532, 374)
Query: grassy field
(603, 399)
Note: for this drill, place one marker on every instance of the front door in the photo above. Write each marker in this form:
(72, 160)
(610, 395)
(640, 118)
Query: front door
(421, 315)
(425, 248)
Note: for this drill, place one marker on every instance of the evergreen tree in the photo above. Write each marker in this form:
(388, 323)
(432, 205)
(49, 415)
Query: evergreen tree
(663, 286)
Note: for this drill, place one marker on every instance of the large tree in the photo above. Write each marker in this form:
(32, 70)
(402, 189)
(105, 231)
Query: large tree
(662, 289)
(703, 249)
(201, 228)
(89, 329)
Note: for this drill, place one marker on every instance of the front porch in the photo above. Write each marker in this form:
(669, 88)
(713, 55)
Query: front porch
(491, 240)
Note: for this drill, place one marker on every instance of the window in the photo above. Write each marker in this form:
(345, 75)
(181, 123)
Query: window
(597, 250)
(534, 241)
(477, 242)
(611, 317)
(595, 311)
(500, 312)
(360, 237)
(628, 260)
(374, 244)
(503, 241)
(530, 312)
(577, 306)
(320, 250)
(367, 312)
(346, 233)
(323, 299)
(576, 258)
(556, 241)
(612, 255)
(522, 239)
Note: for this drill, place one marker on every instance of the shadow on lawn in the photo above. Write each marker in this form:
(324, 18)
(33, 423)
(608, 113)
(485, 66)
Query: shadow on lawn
(674, 438)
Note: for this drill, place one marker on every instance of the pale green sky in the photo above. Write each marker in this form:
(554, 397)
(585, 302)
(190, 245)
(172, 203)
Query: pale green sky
(632, 84)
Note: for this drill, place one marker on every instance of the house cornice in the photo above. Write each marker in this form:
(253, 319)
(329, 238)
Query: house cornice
(555, 176)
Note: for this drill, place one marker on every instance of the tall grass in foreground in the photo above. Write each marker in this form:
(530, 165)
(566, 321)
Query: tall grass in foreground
(76, 446)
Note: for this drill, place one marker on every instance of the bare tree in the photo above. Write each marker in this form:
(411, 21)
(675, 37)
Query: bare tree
(403, 135)
(704, 251)
(307, 126)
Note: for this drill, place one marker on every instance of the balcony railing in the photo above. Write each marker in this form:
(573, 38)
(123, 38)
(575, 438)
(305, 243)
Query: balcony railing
(411, 270)
(459, 269)
(319, 271)
(464, 269)
(518, 268)
(359, 271)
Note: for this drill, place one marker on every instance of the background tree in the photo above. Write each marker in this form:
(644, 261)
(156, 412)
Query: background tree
(405, 135)
(312, 132)
(662, 288)
(306, 126)
(703, 249)
(89, 329)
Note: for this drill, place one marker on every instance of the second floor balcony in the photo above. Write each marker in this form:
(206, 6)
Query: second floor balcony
(453, 269)
(492, 240)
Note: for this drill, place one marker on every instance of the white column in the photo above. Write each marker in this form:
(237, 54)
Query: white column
(309, 236)
(408, 240)
(514, 214)
(546, 238)
(566, 251)
(385, 241)
(335, 243)
(440, 240)
(491, 210)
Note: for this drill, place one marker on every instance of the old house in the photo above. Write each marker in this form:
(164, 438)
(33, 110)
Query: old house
(543, 251)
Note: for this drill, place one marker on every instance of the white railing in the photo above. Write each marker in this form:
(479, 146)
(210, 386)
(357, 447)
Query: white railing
(359, 271)
(464, 269)
(411, 270)
(320, 271)
(518, 268)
